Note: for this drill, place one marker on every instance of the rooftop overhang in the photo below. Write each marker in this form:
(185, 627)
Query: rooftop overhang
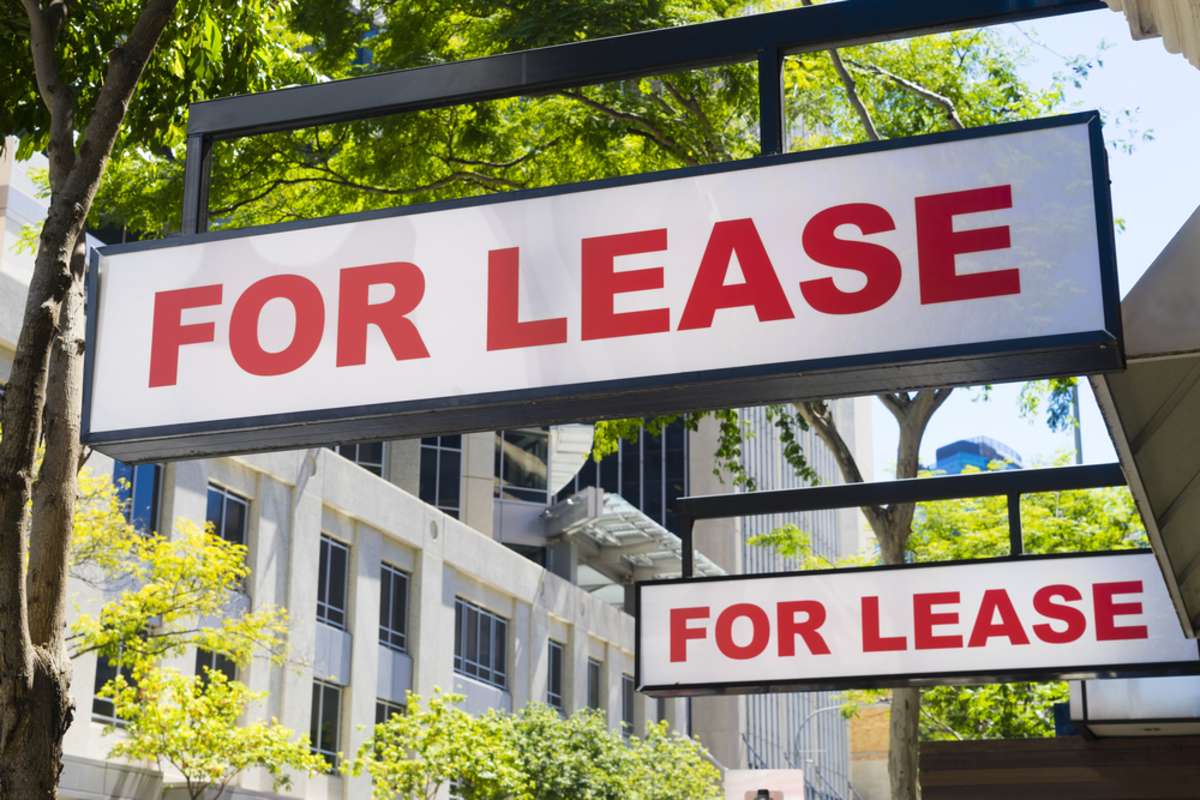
(1152, 410)
(1176, 21)
(618, 544)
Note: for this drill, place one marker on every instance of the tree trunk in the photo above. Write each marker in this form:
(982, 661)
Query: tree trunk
(905, 747)
(31, 756)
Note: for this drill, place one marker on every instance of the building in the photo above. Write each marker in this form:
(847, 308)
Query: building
(497, 565)
(977, 452)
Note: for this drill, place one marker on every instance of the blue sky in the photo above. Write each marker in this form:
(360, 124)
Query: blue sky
(1155, 188)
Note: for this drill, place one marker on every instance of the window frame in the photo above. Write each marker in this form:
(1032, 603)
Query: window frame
(391, 708)
(595, 668)
(128, 496)
(477, 636)
(228, 496)
(555, 699)
(325, 609)
(369, 466)
(432, 450)
(214, 661)
(110, 718)
(390, 636)
(318, 718)
(520, 494)
(628, 704)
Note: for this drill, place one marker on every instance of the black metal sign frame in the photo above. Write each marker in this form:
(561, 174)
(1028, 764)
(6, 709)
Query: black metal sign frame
(996, 360)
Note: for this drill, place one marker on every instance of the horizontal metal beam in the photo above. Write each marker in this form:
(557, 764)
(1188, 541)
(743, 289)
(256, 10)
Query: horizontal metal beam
(652, 52)
(913, 490)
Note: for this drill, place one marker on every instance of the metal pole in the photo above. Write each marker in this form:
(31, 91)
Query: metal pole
(688, 554)
(1016, 542)
(197, 170)
(772, 133)
(1077, 423)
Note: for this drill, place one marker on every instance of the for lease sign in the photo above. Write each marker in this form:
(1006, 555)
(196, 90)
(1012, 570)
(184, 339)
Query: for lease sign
(945, 259)
(1035, 616)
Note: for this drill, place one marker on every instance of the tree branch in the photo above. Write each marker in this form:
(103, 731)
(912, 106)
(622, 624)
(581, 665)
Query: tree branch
(819, 417)
(847, 79)
(44, 28)
(643, 126)
(940, 99)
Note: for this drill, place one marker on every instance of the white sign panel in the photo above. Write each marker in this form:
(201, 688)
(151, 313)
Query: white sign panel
(962, 257)
(998, 619)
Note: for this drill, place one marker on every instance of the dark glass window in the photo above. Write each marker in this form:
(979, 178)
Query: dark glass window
(139, 488)
(325, 728)
(331, 583)
(368, 455)
(650, 473)
(384, 709)
(103, 709)
(522, 464)
(660, 708)
(217, 662)
(393, 608)
(593, 683)
(554, 677)
(480, 644)
(627, 696)
(441, 472)
(227, 513)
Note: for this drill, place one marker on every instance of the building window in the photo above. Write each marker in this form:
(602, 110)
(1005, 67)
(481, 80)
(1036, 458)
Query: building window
(325, 730)
(368, 455)
(660, 709)
(386, 709)
(227, 513)
(650, 473)
(139, 488)
(521, 464)
(627, 696)
(207, 660)
(393, 608)
(593, 684)
(331, 583)
(441, 472)
(103, 708)
(554, 677)
(480, 644)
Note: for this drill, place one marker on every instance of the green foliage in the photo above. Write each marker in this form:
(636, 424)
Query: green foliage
(164, 587)
(208, 49)
(534, 754)
(1052, 396)
(1052, 522)
(191, 723)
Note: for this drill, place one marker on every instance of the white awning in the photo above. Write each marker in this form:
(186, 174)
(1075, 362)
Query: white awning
(1152, 411)
(1176, 21)
(618, 541)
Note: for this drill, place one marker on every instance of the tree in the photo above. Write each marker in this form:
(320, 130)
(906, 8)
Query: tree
(871, 92)
(534, 754)
(69, 87)
(192, 723)
(167, 587)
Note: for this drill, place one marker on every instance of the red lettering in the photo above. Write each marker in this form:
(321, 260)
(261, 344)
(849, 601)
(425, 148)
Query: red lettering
(938, 243)
(504, 327)
(309, 309)
(872, 641)
(761, 288)
(681, 632)
(1107, 611)
(986, 627)
(760, 635)
(168, 333)
(877, 263)
(924, 620)
(790, 628)
(1043, 603)
(356, 312)
(600, 283)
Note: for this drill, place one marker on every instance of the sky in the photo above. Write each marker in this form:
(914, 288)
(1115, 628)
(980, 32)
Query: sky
(1155, 189)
